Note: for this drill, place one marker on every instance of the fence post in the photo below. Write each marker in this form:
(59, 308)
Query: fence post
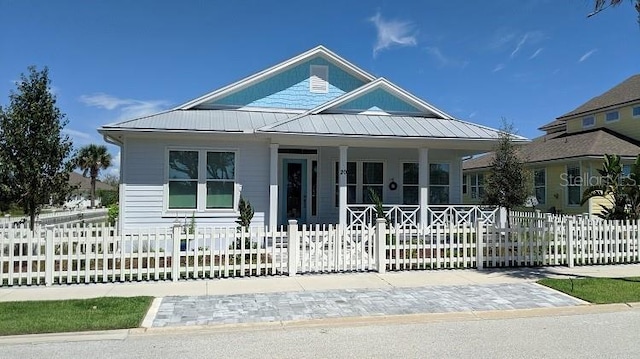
(479, 246)
(569, 235)
(292, 246)
(49, 263)
(381, 244)
(175, 254)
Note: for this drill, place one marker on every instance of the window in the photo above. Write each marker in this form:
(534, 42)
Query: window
(573, 185)
(612, 116)
(361, 176)
(372, 180)
(626, 170)
(439, 183)
(540, 185)
(410, 188)
(588, 121)
(477, 186)
(319, 79)
(636, 111)
(464, 184)
(189, 190)
(352, 182)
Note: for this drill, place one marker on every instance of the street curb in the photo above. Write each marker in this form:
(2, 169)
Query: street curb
(398, 319)
(118, 334)
(147, 322)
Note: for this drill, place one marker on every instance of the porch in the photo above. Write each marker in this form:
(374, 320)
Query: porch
(343, 184)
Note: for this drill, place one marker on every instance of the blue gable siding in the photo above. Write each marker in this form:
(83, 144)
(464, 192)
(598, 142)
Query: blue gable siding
(377, 100)
(290, 89)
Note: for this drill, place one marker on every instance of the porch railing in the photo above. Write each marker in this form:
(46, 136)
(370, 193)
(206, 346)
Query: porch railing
(359, 215)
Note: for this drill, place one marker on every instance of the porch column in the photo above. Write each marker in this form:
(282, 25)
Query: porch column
(423, 182)
(273, 186)
(342, 176)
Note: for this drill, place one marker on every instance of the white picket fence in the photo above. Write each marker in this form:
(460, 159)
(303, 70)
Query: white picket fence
(97, 254)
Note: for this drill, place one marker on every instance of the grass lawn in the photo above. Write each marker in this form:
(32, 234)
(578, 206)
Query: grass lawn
(75, 315)
(598, 290)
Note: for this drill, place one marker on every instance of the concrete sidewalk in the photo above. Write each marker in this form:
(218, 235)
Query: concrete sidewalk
(313, 282)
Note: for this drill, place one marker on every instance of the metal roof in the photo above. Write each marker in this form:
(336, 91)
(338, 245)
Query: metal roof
(202, 120)
(382, 125)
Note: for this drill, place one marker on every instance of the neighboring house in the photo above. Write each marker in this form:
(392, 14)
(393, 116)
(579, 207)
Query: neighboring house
(305, 139)
(81, 196)
(565, 160)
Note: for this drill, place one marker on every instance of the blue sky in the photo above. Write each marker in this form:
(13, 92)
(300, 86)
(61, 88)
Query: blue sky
(528, 61)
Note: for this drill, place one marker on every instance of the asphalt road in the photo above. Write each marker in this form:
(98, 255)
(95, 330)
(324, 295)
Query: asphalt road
(603, 335)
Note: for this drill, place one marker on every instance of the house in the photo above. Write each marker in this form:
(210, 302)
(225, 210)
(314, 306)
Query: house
(564, 161)
(81, 196)
(306, 139)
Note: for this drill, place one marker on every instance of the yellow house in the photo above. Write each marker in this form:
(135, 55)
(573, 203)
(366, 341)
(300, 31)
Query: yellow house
(564, 161)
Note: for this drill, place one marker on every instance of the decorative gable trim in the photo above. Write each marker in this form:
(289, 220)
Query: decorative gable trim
(319, 79)
(281, 67)
(382, 83)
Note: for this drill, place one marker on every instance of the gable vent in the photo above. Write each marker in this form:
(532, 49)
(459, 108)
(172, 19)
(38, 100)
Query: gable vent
(318, 79)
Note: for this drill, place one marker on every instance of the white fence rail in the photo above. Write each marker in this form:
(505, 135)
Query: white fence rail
(409, 215)
(97, 254)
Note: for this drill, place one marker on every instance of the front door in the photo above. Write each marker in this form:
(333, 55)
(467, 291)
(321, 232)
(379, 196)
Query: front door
(293, 197)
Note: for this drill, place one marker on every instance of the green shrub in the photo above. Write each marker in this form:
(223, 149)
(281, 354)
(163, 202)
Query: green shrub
(112, 214)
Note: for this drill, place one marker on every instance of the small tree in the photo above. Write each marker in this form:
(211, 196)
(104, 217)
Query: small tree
(91, 159)
(244, 221)
(506, 185)
(34, 154)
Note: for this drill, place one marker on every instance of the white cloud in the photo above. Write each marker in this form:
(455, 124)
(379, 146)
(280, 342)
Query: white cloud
(535, 54)
(78, 134)
(128, 108)
(498, 68)
(392, 33)
(472, 114)
(501, 39)
(114, 169)
(444, 60)
(587, 55)
(523, 39)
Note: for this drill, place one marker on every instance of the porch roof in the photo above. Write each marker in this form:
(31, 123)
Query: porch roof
(383, 125)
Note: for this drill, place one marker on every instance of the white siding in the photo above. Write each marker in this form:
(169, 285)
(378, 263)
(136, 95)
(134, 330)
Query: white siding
(144, 176)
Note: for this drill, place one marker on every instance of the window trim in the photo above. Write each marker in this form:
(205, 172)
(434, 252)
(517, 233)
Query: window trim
(359, 180)
(579, 166)
(544, 186)
(475, 185)
(201, 209)
(592, 117)
(403, 185)
(612, 120)
(449, 186)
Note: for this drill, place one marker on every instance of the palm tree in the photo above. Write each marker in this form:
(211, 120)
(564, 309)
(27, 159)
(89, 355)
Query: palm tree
(600, 5)
(91, 159)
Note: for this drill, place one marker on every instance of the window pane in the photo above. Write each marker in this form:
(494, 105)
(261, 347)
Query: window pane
(480, 180)
(588, 121)
(183, 165)
(220, 165)
(366, 196)
(183, 194)
(438, 195)
(573, 174)
(410, 195)
(351, 195)
(410, 173)
(636, 111)
(372, 173)
(439, 174)
(574, 195)
(538, 178)
(540, 195)
(626, 170)
(612, 116)
(220, 194)
(351, 173)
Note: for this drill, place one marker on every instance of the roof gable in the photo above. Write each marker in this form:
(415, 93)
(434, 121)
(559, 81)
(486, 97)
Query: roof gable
(274, 86)
(623, 93)
(381, 96)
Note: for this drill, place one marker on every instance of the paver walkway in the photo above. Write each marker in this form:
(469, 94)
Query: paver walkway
(289, 306)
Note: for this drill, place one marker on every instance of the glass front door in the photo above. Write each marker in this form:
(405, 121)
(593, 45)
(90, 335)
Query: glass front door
(293, 197)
